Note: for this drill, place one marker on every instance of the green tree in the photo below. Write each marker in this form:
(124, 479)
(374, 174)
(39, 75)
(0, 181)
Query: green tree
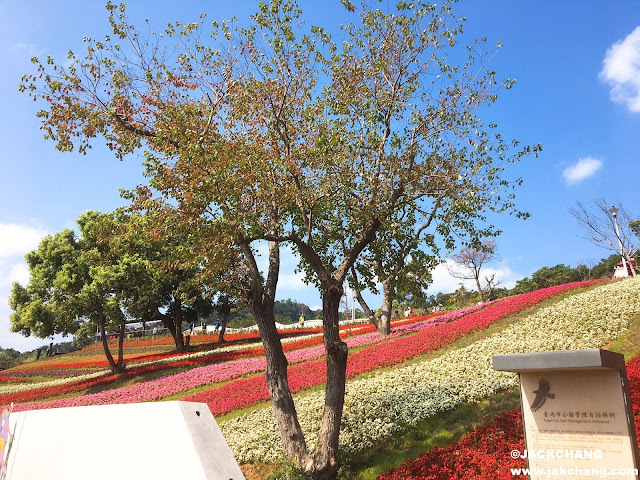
(399, 261)
(551, 276)
(548, 277)
(226, 305)
(9, 358)
(524, 285)
(267, 135)
(173, 290)
(7, 361)
(606, 266)
(74, 281)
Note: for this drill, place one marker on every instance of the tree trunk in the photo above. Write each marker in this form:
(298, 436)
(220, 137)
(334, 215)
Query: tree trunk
(477, 278)
(223, 327)
(176, 311)
(169, 323)
(105, 344)
(325, 462)
(365, 308)
(260, 300)
(226, 313)
(120, 364)
(384, 325)
(284, 410)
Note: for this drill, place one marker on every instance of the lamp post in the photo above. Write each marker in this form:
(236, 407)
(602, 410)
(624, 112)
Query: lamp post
(614, 213)
(353, 307)
(348, 290)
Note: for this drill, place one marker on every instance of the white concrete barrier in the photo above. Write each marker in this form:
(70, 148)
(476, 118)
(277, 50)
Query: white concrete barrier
(153, 440)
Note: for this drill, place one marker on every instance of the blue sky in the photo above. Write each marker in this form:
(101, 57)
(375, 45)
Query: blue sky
(577, 66)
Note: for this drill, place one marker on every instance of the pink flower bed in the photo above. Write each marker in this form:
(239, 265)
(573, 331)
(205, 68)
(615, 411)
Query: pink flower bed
(432, 334)
(180, 382)
(245, 392)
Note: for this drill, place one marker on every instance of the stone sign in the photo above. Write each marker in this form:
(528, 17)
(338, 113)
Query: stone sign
(576, 414)
(155, 440)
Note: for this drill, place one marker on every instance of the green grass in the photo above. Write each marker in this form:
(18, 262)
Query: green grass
(629, 343)
(438, 430)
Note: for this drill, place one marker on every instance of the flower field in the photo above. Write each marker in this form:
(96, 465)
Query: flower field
(399, 389)
(172, 384)
(483, 454)
(223, 356)
(379, 406)
(431, 336)
(433, 331)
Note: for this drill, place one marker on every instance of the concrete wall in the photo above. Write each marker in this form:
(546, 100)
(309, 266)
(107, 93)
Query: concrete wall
(154, 440)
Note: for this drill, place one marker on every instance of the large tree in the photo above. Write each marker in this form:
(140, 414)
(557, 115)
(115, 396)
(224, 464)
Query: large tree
(264, 134)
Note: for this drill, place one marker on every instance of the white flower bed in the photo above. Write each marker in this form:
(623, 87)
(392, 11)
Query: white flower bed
(379, 406)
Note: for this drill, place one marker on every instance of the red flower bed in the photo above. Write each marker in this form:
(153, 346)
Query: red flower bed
(12, 379)
(212, 358)
(168, 340)
(483, 454)
(206, 338)
(102, 362)
(253, 390)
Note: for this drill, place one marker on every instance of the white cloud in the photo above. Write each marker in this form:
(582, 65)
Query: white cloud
(504, 274)
(18, 239)
(621, 70)
(445, 283)
(584, 168)
(15, 242)
(9, 273)
(291, 280)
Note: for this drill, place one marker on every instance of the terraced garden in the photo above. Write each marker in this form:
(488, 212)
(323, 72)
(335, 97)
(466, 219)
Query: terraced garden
(422, 386)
